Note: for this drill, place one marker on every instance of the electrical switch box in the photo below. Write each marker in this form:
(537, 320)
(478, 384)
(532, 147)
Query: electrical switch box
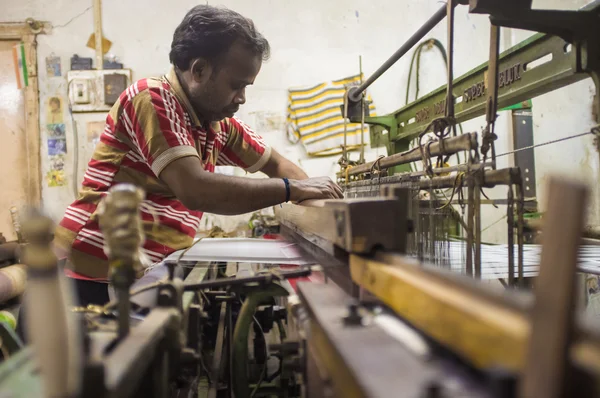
(81, 93)
(96, 90)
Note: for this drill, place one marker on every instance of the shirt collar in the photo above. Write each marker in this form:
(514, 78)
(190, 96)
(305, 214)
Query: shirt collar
(180, 93)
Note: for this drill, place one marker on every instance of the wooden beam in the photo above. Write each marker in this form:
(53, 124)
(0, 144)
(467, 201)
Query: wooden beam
(32, 124)
(27, 33)
(348, 223)
(456, 313)
(17, 30)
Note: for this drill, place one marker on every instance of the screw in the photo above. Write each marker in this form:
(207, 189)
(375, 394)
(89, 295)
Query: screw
(353, 318)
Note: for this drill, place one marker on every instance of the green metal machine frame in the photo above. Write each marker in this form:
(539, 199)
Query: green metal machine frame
(519, 80)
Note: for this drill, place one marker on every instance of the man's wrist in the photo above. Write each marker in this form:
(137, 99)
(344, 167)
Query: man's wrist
(287, 189)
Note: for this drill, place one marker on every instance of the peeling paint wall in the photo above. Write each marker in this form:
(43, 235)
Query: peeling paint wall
(312, 41)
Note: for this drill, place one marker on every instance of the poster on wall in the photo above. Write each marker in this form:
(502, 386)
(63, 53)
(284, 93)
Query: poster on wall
(56, 130)
(56, 178)
(57, 151)
(22, 74)
(53, 66)
(94, 131)
(54, 110)
(57, 146)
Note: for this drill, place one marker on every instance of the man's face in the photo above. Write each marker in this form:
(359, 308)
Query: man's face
(217, 92)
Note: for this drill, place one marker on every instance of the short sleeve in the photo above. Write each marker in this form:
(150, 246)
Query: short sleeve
(155, 122)
(244, 148)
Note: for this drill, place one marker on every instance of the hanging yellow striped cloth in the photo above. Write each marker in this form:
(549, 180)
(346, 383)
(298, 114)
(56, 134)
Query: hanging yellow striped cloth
(314, 117)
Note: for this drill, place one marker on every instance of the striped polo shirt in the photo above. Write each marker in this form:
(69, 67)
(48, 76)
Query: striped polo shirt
(151, 125)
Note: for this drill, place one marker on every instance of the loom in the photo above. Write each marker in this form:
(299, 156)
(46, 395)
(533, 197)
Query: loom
(404, 310)
(446, 200)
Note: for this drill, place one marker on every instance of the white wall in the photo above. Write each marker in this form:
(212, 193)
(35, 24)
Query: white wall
(312, 41)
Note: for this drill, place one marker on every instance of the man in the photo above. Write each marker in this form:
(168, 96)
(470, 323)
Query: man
(166, 135)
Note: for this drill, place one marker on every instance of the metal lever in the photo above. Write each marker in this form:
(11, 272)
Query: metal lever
(355, 93)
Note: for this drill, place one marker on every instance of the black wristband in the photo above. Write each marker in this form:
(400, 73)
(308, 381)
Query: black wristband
(287, 189)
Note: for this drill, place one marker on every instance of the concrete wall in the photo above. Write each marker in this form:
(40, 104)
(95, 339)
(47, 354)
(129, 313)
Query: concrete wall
(312, 41)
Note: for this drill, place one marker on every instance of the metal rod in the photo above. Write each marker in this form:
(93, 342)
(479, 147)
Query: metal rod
(410, 43)
(362, 116)
(267, 278)
(492, 94)
(492, 98)
(464, 142)
(124, 308)
(431, 228)
(470, 217)
(229, 328)
(491, 178)
(520, 222)
(345, 147)
(450, 57)
(217, 358)
(445, 170)
(510, 220)
(477, 214)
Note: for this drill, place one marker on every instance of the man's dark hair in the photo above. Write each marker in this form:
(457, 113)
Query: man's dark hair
(208, 32)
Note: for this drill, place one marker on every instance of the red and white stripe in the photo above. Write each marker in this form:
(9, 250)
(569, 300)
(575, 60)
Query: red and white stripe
(77, 215)
(135, 157)
(173, 116)
(153, 256)
(223, 160)
(91, 237)
(129, 128)
(181, 217)
(100, 176)
(257, 138)
(132, 91)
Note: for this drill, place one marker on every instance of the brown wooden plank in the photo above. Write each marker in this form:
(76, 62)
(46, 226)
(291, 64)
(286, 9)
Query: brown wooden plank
(354, 225)
(553, 311)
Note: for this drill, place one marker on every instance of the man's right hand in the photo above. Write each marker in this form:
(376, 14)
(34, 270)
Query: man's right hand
(314, 188)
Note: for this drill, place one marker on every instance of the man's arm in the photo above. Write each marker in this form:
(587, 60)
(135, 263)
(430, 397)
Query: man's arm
(278, 166)
(200, 190)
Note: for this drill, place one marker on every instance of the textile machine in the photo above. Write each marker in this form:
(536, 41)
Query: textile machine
(400, 313)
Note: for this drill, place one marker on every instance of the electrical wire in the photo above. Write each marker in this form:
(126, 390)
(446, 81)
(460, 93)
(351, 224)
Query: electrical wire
(430, 43)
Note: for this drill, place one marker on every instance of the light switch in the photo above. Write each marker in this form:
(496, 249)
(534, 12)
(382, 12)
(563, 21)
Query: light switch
(81, 91)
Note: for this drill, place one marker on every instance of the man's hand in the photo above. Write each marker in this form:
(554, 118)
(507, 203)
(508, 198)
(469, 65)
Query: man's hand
(314, 188)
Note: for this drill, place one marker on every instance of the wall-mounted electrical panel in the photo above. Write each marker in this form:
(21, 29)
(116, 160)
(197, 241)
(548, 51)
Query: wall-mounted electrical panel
(96, 90)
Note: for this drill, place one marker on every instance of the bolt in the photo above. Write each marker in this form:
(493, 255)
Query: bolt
(353, 318)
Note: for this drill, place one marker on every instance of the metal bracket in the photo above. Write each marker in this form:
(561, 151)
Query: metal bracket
(580, 28)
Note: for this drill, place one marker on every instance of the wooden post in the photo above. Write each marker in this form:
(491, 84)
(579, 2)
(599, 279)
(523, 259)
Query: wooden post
(98, 34)
(553, 311)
